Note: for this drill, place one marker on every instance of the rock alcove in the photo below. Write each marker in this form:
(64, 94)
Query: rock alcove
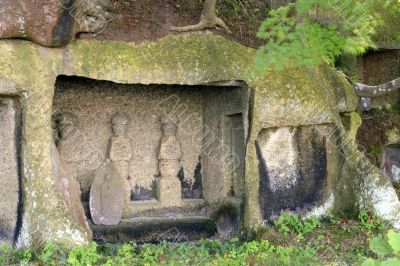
(210, 135)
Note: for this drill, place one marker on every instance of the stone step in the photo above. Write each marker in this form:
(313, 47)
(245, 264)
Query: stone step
(155, 229)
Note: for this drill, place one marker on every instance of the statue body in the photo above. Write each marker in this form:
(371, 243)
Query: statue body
(169, 163)
(106, 202)
(73, 153)
(121, 151)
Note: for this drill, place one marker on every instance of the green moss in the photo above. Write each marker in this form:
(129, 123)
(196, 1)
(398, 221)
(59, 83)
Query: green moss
(185, 59)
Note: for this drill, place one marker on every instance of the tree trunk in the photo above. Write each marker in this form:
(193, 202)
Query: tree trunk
(209, 19)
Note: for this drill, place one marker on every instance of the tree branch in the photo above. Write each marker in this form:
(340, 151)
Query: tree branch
(363, 90)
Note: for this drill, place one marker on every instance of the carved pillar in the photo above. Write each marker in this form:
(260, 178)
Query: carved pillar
(169, 163)
(121, 151)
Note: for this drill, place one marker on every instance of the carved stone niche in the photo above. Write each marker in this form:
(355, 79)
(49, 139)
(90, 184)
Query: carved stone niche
(10, 188)
(296, 166)
(177, 149)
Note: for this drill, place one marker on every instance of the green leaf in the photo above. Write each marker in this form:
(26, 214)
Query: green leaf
(394, 240)
(369, 262)
(390, 262)
(380, 246)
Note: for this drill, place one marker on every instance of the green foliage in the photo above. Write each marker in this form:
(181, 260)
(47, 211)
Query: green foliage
(287, 223)
(380, 246)
(397, 107)
(370, 221)
(394, 240)
(308, 32)
(336, 242)
(387, 249)
(204, 252)
(83, 255)
(50, 254)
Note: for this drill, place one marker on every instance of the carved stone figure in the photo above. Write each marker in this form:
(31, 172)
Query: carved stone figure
(68, 136)
(121, 150)
(49, 22)
(70, 190)
(106, 200)
(73, 150)
(169, 159)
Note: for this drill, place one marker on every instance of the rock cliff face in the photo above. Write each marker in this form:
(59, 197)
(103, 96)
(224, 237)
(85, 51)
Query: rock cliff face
(297, 98)
(51, 22)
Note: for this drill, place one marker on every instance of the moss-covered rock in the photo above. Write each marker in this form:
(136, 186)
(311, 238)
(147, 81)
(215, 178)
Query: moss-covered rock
(295, 97)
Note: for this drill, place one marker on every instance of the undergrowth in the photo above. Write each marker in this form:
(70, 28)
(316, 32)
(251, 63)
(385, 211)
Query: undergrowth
(292, 241)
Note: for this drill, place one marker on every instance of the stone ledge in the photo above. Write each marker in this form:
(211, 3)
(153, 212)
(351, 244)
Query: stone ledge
(155, 229)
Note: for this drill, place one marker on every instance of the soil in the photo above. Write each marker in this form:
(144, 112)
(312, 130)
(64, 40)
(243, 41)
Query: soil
(146, 20)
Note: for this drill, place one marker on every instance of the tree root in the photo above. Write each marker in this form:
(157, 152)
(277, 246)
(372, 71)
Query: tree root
(209, 19)
(204, 24)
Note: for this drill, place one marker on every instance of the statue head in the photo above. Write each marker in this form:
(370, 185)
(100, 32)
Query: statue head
(66, 124)
(119, 123)
(169, 125)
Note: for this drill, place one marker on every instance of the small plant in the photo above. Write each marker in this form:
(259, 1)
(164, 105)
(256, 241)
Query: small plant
(24, 256)
(287, 223)
(370, 221)
(386, 248)
(51, 254)
(83, 255)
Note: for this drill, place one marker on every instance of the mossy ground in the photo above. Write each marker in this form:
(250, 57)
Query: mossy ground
(339, 242)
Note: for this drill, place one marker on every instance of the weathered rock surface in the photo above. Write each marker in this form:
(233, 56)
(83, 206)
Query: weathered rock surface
(70, 190)
(51, 22)
(9, 169)
(107, 200)
(294, 168)
(299, 97)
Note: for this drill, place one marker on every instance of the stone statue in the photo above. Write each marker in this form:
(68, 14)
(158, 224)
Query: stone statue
(72, 149)
(121, 150)
(51, 23)
(169, 163)
(106, 200)
(68, 140)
